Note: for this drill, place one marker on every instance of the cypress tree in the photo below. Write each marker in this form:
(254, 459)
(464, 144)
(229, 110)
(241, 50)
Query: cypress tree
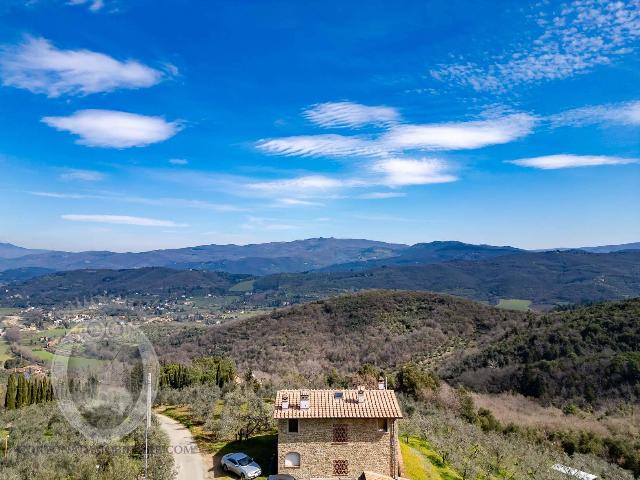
(10, 397)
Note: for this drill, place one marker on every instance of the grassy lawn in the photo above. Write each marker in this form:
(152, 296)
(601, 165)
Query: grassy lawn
(514, 304)
(245, 286)
(261, 447)
(422, 463)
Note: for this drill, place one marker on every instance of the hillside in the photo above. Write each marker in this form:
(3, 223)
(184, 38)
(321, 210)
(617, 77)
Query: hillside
(587, 355)
(379, 327)
(545, 278)
(62, 287)
(299, 255)
(592, 353)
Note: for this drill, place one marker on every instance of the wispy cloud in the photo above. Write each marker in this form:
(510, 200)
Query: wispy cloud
(159, 202)
(574, 39)
(399, 172)
(458, 135)
(617, 114)
(258, 223)
(82, 175)
(381, 195)
(38, 66)
(321, 146)
(406, 137)
(348, 114)
(178, 161)
(554, 162)
(114, 129)
(122, 220)
(296, 202)
(307, 185)
(94, 5)
(72, 196)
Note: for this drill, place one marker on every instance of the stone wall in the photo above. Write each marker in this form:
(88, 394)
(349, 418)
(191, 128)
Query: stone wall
(367, 448)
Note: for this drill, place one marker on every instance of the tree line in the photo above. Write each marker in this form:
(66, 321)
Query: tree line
(206, 370)
(22, 391)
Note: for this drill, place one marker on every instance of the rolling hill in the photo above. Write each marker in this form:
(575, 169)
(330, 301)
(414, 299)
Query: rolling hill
(545, 278)
(257, 259)
(64, 287)
(587, 355)
(428, 253)
(591, 353)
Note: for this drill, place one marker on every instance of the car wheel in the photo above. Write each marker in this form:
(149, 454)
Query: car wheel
(224, 467)
(242, 476)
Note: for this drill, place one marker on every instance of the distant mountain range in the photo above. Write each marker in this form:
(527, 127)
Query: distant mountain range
(255, 259)
(325, 254)
(547, 279)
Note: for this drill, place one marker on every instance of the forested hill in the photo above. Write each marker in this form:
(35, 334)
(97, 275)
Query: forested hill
(589, 354)
(63, 287)
(384, 328)
(546, 278)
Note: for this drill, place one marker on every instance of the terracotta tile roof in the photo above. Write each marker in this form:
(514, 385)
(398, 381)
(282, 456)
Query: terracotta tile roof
(324, 404)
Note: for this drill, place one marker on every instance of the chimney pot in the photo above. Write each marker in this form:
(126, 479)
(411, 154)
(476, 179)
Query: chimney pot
(381, 384)
(360, 394)
(304, 400)
(285, 401)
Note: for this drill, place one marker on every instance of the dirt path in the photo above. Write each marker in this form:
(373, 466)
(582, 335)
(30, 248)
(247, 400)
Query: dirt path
(189, 463)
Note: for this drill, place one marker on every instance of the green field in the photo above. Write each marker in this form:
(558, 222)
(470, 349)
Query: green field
(245, 286)
(422, 463)
(514, 304)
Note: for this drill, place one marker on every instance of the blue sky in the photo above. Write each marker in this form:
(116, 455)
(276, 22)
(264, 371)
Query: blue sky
(134, 125)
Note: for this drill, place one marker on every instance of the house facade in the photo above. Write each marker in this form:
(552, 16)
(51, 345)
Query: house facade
(338, 434)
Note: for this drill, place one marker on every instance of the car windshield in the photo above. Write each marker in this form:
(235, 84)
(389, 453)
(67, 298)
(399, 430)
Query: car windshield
(244, 461)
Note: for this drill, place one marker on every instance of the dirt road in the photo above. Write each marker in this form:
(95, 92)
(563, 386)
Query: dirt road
(189, 463)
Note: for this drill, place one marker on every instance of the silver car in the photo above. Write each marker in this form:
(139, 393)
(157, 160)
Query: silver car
(241, 464)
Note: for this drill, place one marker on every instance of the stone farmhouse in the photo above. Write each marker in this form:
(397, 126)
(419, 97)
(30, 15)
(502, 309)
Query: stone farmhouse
(338, 434)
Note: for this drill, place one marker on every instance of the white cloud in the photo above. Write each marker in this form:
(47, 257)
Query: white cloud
(458, 135)
(404, 137)
(553, 162)
(320, 146)
(398, 172)
(94, 5)
(295, 202)
(82, 175)
(309, 184)
(253, 223)
(620, 114)
(574, 39)
(109, 128)
(381, 195)
(122, 220)
(178, 161)
(72, 196)
(160, 202)
(38, 66)
(347, 114)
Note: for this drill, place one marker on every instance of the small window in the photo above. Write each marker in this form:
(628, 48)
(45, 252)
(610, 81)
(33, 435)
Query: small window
(341, 467)
(383, 425)
(338, 395)
(292, 460)
(293, 425)
(340, 433)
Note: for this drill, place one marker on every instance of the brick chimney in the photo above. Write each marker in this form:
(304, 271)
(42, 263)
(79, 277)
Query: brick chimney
(304, 400)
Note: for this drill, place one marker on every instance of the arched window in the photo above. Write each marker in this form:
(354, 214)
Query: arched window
(292, 459)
